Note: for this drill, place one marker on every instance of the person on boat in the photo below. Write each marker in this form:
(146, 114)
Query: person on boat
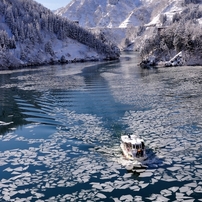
(139, 152)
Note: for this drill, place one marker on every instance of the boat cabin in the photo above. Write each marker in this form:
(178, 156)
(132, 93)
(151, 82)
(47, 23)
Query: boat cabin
(133, 145)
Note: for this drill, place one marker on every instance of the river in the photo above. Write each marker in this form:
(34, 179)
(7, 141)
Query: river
(60, 129)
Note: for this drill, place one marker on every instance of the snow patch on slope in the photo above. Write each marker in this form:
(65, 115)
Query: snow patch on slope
(116, 13)
(100, 13)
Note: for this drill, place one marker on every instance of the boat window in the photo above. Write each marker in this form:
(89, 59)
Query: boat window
(128, 145)
(136, 146)
(142, 145)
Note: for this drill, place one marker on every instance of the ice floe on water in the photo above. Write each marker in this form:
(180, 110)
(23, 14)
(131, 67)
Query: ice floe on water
(2, 123)
(91, 168)
(79, 158)
(58, 161)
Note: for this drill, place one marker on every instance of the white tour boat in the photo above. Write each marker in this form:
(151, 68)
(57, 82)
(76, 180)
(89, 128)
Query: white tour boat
(133, 147)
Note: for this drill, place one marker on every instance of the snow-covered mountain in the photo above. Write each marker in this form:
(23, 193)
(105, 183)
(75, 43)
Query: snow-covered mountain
(125, 23)
(162, 30)
(31, 34)
(99, 13)
(117, 13)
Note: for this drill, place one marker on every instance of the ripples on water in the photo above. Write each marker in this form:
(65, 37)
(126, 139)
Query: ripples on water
(60, 129)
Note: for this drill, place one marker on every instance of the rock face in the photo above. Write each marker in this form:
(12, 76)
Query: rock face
(149, 62)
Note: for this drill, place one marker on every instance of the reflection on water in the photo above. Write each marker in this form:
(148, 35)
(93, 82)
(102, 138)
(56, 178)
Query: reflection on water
(60, 128)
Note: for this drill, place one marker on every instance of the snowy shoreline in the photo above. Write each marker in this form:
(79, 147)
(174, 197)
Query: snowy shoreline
(69, 51)
(182, 58)
(56, 62)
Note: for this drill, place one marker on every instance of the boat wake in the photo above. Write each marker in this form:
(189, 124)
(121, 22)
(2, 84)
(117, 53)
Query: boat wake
(115, 154)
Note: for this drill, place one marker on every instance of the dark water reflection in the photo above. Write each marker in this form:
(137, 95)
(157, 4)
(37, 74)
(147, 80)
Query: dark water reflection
(60, 128)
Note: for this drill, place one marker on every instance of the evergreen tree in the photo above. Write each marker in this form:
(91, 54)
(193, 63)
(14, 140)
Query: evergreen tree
(48, 48)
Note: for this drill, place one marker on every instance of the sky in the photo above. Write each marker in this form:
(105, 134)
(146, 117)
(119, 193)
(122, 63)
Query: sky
(53, 4)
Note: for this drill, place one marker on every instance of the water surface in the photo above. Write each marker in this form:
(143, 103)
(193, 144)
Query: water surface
(60, 128)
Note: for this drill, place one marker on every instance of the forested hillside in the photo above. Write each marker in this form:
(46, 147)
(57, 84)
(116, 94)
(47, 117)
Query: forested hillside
(30, 34)
(182, 35)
